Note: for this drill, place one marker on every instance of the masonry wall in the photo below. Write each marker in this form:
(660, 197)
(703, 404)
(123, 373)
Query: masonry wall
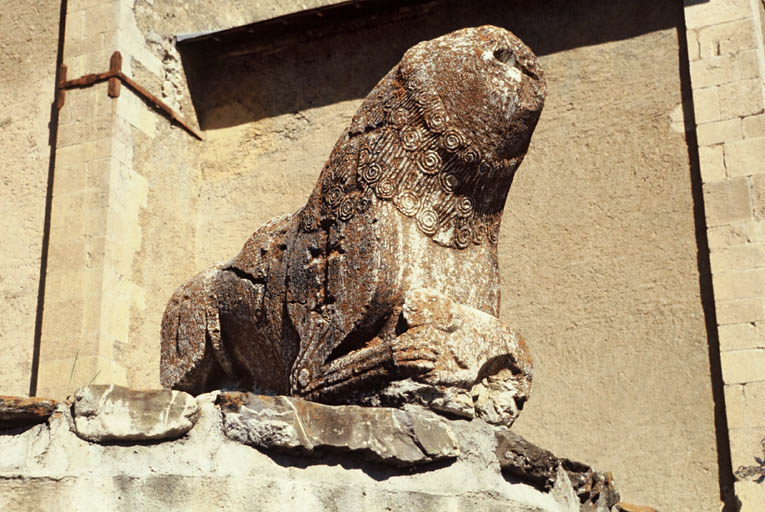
(727, 65)
(27, 75)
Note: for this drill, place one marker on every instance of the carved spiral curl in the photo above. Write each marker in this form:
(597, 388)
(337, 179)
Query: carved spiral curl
(479, 234)
(464, 207)
(386, 189)
(484, 167)
(470, 155)
(411, 138)
(399, 116)
(372, 172)
(448, 182)
(365, 156)
(326, 185)
(494, 233)
(429, 162)
(363, 204)
(436, 120)
(334, 197)
(407, 202)
(462, 237)
(427, 221)
(452, 139)
(346, 210)
(420, 95)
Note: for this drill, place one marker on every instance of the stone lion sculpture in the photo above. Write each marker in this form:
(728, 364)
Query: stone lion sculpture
(384, 288)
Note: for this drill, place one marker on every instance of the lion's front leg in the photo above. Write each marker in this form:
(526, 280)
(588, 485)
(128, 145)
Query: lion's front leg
(483, 368)
(450, 357)
(380, 362)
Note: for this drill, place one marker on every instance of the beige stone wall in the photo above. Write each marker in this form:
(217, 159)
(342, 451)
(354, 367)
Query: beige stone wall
(27, 75)
(725, 47)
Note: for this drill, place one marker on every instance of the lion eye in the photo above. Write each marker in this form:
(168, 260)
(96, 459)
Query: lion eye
(505, 56)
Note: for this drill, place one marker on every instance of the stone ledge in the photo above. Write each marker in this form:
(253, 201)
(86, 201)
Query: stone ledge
(19, 412)
(114, 448)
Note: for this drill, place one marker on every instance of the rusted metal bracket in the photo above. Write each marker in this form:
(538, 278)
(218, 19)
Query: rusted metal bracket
(116, 78)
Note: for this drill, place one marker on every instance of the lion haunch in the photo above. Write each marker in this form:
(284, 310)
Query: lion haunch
(386, 282)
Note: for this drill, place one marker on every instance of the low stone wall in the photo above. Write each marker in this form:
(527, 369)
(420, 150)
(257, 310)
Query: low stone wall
(116, 449)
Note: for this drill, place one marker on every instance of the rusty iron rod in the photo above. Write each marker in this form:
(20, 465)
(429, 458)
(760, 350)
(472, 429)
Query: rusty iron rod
(115, 77)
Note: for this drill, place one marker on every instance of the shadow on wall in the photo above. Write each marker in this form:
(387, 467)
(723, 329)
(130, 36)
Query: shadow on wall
(298, 70)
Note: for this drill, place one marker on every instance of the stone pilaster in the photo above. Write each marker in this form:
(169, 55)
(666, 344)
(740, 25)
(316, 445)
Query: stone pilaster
(727, 65)
(98, 196)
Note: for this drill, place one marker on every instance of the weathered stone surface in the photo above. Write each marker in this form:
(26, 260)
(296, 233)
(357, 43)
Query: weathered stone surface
(293, 425)
(48, 467)
(18, 411)
(484, 370)
(336, 300)
(540, 467)
(114, 413)
(757, 472)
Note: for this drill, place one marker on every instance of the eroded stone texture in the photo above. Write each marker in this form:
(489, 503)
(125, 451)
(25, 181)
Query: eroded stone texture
(530, 463)
(292, 425)
(48, 467)
(18, 411)
(390, 271)
(114, 413)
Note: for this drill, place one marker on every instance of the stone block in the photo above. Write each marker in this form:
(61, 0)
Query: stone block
(727, 202)
(714, 71)
(746, 284)
(718, 132)
(706, 106)
(751, 495)
(135, 111)
(743, 366)
(740, 336)
(726, 38)
(59, 377)
(702, 14)
(712, 163)
(745, 157)
(755, 231)
(77, 41)
(84, 130)
(735, 406)
(75, 23)
(104, 413)
(742, 257)
(293, 425)
(78, 107)
(745, 445)
(20, 411)
(692, 38)
(749, 64)
(102, 19)
(739, 311)
(754, 126)
(740, 98)
(84, 152)
(87, 4)
(530, 463)
(755, 404)
(758, 194)
(728, 235)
